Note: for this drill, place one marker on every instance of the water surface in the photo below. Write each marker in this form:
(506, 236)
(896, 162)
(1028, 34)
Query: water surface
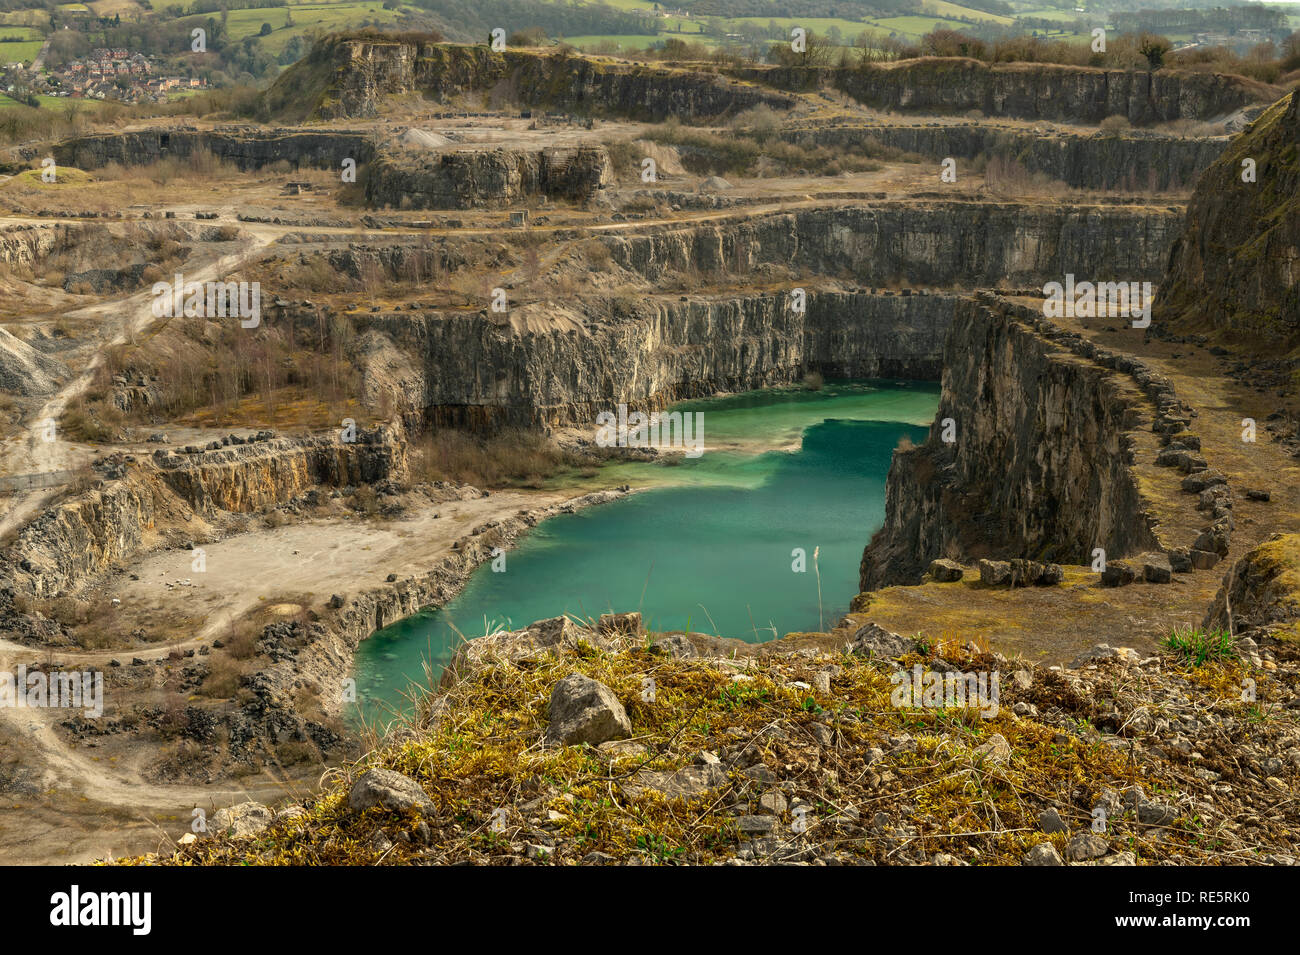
(711, 546)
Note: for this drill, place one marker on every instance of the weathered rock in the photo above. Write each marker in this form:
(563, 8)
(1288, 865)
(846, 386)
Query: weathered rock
(1085, 846)
(627, 624)
(1049, 821)
(478, 178)
(945, 571)
(1198, 482)
(1156, 568)
(1204, 559)
(244, 819)
(1103, 652)
(687, 782)
(675, 645)
(389, 790)
(1265, 590)
(583, 710)
(1214, 539)
(995, 749)
(995, 573)
(1118, 573)
(1043, 854)
(875, 641)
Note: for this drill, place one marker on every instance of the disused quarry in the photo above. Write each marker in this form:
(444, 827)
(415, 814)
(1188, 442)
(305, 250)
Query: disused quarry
(497, 277)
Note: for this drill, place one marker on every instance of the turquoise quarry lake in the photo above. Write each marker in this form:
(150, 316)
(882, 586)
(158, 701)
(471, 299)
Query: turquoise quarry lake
(709, 546)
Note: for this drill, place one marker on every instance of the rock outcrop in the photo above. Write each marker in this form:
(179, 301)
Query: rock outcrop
(926, 243)
(247, 147)
(247, 478)
(1236, 270)
(476, 178)
(101, 529)
(349, 76)
(554, 365)
(1262, 591)
(1072, 94)
(1037, 462)
(1130, 161)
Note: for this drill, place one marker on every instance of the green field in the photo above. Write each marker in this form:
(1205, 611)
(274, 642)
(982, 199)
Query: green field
(324, 17)
(916, 27)
(25, 50)
(1062, 16)
(942, 8)
(624, 42)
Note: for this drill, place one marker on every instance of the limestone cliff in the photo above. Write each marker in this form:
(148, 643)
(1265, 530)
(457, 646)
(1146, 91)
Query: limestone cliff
(1038, 464)
(474, 178)
(346, 76)
(1072, 94)
(246, 147)
(249, 478)
(1236, 270)
(100, 529)
(1129, 161)
(967, 244)
(550, 364)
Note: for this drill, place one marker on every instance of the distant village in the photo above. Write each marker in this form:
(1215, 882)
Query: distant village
(105, 74)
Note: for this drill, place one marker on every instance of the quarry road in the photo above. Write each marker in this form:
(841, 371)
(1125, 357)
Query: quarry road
(341, 558)
(117, 785)
(39, 450)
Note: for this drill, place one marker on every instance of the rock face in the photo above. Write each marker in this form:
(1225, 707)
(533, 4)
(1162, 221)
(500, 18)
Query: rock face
(95, 531)
(558, 365)
(967, 245)
(24, 244)
(1040, 458)
(1262, 589)
(1084, 160)
(347, 76)
(471, 178)
(1048, 91)
(1236, 270)
(248, 147)
(585, 711)
(251, 477)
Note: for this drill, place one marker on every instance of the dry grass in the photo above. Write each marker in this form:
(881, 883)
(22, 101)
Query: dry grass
(480, 762)
(514, 458)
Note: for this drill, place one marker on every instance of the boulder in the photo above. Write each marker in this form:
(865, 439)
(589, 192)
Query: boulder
(1050, 575)
(1049, 820)
(995, 573)
(1085, 846)
(245, 819)
(620, 623)
(945, 571)
(1214, 538)
(1204, 559)
(1156, 569)
(1198, 482)
(1042, 854)
(876, 641)
(583, 710)
(1118, 573)
(389, 790)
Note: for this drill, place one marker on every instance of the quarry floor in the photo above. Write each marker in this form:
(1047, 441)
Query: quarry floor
(81, 803)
